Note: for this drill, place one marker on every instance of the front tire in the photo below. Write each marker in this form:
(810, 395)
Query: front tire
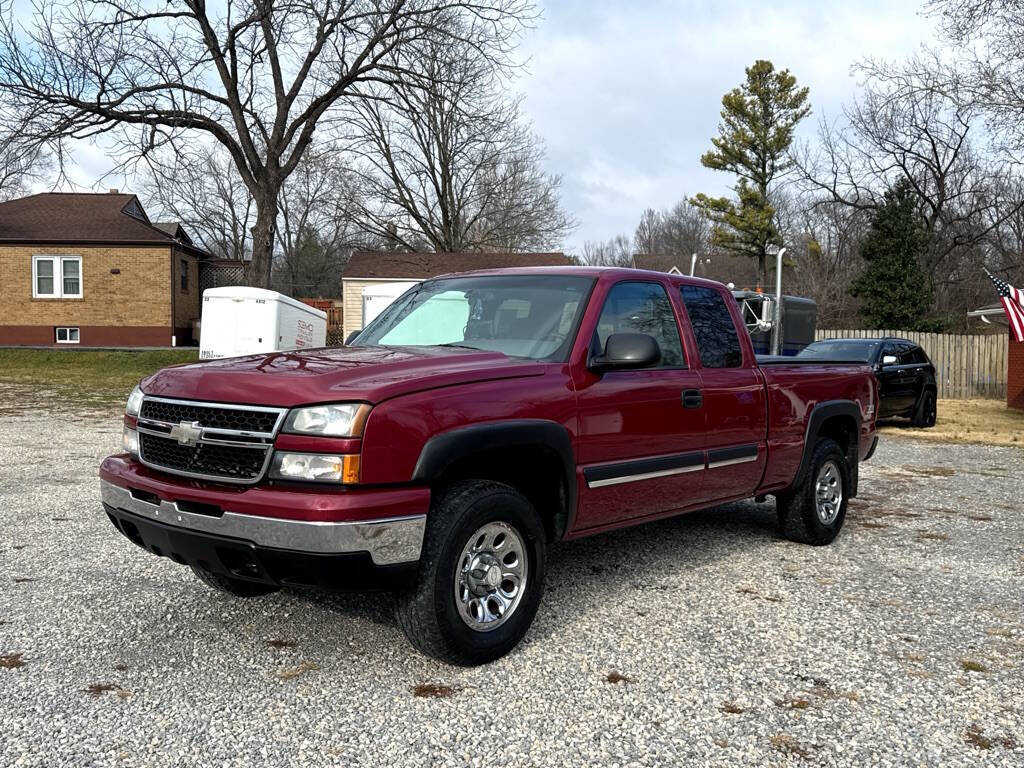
(813, 512)
(925, 413)
(481, 575)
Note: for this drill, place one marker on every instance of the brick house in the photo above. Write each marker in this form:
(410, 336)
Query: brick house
(367, 270)
(91, 269)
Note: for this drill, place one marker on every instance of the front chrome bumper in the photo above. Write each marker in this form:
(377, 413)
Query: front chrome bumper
(389, 541)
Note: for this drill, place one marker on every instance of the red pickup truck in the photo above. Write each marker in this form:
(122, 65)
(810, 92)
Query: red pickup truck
(480, 418)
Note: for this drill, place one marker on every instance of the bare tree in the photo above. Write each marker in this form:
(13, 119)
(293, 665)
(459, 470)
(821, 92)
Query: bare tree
(909, 124)
(202, 189)
(257, 79)
(988, 36)
(318, 229)
(20, 164)
(616, 252)
(682, 229)
(823, 240)
(453, 166)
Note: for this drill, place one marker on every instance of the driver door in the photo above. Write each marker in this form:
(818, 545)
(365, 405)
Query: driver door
(640, 441)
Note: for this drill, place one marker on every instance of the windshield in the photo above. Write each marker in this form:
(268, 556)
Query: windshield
(531, 316)
(841, 350)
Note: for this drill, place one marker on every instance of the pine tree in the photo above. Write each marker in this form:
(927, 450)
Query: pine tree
(893, 285)
(755, 133)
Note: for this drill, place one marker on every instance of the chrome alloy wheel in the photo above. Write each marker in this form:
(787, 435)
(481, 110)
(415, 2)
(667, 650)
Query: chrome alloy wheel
(490, 576)
(828, 493)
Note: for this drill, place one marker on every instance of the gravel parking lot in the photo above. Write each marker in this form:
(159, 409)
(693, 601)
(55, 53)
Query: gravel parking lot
(701, 640)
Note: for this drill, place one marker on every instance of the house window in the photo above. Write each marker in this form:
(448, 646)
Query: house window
(67, 335)
(184, 276)
(57, 277)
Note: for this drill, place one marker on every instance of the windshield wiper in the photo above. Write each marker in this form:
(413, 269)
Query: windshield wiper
(454, 344)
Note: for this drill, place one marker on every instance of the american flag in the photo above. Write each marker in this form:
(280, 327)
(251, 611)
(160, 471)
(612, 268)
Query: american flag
(1013, 303)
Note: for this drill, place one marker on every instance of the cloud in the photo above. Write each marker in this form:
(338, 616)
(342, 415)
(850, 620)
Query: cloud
(627, 95)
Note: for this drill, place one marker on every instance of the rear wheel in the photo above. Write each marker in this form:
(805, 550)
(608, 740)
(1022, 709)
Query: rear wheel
(481, 575)
(924, 414)
(814, 511)
(236, 587)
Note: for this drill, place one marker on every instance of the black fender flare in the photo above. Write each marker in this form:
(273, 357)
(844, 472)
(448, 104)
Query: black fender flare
(442, 450)
(819, 415)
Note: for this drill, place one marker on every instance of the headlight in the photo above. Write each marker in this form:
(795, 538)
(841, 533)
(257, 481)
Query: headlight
(130, 441)
(315, 467)
(342, 420)
(134, 402)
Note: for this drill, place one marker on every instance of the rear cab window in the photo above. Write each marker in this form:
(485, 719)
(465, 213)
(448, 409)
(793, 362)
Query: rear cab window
(713, 327)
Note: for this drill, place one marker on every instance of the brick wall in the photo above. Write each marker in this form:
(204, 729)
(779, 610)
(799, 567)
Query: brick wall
(133, 305)
(186, 302)
(1015, 375)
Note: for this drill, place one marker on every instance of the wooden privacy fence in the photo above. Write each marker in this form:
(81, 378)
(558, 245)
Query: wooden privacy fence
(966, 365)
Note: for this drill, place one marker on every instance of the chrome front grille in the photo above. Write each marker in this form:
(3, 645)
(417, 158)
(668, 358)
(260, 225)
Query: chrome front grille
(212, 441)
(234, 418)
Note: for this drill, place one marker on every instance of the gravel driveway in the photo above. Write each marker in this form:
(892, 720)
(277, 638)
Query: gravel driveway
(701, 640)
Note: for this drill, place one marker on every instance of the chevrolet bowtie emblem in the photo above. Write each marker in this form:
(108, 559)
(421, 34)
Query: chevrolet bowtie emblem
(187, 433)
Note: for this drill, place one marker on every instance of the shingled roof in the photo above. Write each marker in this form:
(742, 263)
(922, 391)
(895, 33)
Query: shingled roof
(387, 265)
(82, 218)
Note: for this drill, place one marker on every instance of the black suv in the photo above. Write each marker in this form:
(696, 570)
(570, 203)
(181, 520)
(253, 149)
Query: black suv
(905, 374)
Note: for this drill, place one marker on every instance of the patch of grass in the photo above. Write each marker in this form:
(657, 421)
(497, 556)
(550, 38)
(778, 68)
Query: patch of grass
(99, 376)
(969, 665)
(933, 471)
(970, 422)
(432, 691)
(789, 745)
(976, 737)
(282, 643)
(932, 536)
(617, 677)
(731, 708)
(98, 689)
(794, 703)
(754, 593)
(998, 632)
(290, 673)
(11, 661)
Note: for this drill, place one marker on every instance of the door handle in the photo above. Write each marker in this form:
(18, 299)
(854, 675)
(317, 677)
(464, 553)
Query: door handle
(692, 398)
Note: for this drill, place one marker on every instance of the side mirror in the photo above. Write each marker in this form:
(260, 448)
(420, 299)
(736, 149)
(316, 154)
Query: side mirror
(351, 337)
(627, 350)
(888, 359)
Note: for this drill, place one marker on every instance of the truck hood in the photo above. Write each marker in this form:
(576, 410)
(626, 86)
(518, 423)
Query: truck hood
(368, 374)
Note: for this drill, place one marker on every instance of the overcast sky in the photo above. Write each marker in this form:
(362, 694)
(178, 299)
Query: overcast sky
(627, 94)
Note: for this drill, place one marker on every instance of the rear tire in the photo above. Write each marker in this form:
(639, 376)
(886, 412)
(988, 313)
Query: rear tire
(924, 414)
(236, 587)
(481, 575)
(813, 512)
